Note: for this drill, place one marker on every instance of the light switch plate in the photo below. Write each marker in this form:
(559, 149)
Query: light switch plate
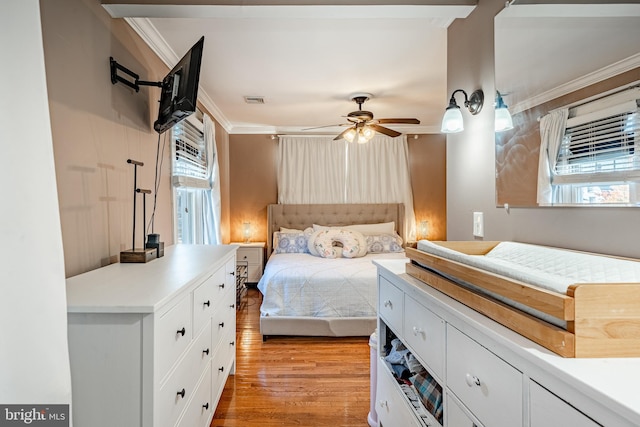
(478, 224)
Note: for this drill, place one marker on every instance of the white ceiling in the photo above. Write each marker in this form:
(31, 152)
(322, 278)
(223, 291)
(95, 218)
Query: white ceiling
(306, 57)
(306, 61)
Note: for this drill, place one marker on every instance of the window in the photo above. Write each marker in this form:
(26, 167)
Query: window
(598, 161)
(190, 178)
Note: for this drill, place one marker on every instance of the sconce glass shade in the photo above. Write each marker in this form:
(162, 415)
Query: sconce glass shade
(503, 119)
(452, 120)
(350, 135)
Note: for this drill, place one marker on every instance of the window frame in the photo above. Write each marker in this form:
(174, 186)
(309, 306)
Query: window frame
(609, 137)
(189, 184)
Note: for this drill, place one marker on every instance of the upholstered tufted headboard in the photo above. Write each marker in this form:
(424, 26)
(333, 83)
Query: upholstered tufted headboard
(303, 216)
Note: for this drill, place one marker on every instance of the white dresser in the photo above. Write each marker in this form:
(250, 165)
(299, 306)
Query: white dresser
(152, 344)
(491, 376)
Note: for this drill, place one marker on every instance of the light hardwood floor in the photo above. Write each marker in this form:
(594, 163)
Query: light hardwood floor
(294, 381)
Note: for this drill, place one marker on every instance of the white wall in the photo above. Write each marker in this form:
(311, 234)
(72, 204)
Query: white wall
(471, 159)
(34, 360)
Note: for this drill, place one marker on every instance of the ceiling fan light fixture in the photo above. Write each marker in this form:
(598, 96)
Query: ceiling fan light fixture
(365, 134)
(350, 135)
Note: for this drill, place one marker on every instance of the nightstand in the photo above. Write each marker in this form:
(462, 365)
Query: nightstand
(252, 255)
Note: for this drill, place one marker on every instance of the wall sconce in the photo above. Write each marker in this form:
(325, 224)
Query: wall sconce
(424, 229)
(503, 120)
(452, 120)
(246, 231)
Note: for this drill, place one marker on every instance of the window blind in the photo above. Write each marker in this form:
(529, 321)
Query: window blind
(601, 146)
(190, 166)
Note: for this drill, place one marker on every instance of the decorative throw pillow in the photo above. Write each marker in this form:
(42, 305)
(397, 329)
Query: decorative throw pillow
(290, 243)
(326, 243)
(382, 243)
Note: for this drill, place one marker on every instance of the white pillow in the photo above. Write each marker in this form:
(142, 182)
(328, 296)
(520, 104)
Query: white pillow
(290, 230)
(380, 228)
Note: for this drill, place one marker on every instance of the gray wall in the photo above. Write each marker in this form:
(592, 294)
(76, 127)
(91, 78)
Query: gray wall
(471, 159)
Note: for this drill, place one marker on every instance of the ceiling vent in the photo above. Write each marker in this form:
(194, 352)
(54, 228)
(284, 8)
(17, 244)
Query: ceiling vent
(254, 99)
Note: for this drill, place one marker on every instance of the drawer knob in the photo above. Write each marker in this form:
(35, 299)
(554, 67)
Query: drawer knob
(232, 306)
(207, 303)
(182, 331)
(387, 303)
(221, 324)
(232, 343)
(383, 404)
(233, 273)
(206, 351)
(221, 286)
(221, 369)
(417, 331)
(206, 406)
(181, 393)
(472, 380)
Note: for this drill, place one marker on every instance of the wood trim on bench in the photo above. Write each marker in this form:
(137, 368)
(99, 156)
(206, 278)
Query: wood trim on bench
(551, 303)
(603, 319)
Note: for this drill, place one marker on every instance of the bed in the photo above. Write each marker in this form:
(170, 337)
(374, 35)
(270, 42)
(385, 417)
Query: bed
(307, 295)
(575, 304)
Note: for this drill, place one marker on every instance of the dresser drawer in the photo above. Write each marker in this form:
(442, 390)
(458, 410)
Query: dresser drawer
(181, 384)
(487, 385)
(390, 305)
(391, 407)
(230, 276)
(222, 363)
(455, 416)
(220, 325)
(250, 255)
(205, 299)
(424, 332)
(172, 334)
(548, 410)
(200, 408)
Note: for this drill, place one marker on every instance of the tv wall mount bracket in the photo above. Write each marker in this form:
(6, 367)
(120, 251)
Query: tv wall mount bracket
(115, 78)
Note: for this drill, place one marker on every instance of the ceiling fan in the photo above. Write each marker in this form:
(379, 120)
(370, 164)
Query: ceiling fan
(362, 125)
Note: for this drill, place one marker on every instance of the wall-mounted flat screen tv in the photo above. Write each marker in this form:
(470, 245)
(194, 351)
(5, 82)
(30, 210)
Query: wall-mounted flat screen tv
(180, 89)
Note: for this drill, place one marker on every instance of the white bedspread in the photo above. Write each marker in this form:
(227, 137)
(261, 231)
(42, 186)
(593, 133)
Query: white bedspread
(303, 285)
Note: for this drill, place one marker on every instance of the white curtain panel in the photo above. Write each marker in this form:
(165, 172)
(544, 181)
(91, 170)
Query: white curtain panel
(211, 201)
(552, 127)
(311, 170)
(321, 170)
(378, 172)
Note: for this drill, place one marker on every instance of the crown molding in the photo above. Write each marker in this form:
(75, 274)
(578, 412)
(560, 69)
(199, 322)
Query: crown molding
(147, 31)
(595, 77)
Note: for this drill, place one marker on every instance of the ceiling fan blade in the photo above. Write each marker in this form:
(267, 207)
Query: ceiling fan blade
(328, 126)
(339, 137)
(383, 130)
(400, 121)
